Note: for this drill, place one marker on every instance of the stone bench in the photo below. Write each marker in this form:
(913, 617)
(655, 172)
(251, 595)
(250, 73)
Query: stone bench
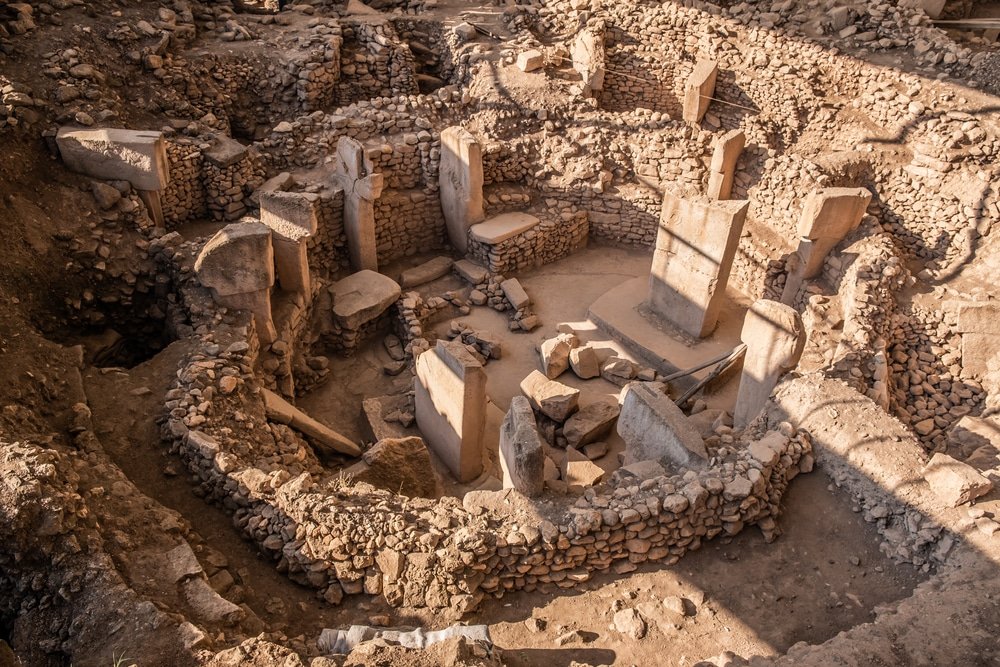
(514, 241)
(359, 302)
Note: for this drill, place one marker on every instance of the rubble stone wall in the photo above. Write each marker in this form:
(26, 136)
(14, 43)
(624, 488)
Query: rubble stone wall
(544, 243)
(184, 198)
(407, 222)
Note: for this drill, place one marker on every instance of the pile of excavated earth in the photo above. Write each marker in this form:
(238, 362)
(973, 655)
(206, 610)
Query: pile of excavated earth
(576, 332)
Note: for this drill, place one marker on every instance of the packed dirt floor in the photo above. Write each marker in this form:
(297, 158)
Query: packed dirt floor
(524, 332)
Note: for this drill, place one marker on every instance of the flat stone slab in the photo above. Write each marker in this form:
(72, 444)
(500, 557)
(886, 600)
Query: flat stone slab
(502, 227)
(362, 296)
(136, 156)
(592, 423)
(426, 272)
(471, 272)
(225, 152)
(954, 482)
(281, 411)
(238, 259)
(554, 399)
(654, 428)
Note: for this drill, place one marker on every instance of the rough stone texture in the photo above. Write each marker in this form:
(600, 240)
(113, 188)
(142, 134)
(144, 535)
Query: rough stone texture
(954, 482)
(584, 362)
(461, 184)
(591, 423)
(653, 427)
(775, 338)
(450, 399)
(698, 90)
(522, 458)
(281, 411)
(362, 186)
(362, 297)
(694, 253)
(136, 156)
(430, 270)
(578, 470)
(553, 399)
(555, 354)
(979, 324)
(399, 465)
(726, 152)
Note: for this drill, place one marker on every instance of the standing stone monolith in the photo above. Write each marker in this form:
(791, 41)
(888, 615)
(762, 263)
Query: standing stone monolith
(727, 151)
(237, 264)
(828, 216)
(362, 186)
(293, 219)
(588, 56)
(695, 247)
(775, 338)
(522, 458)
(699, 89)
(461, 181)
(450, 399)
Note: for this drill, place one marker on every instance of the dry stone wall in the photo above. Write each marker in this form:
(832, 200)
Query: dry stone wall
(407, 222)
(184, 198)
(544, 243)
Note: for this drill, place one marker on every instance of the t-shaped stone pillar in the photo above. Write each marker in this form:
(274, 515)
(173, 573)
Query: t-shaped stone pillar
(362, 186)
(828, 216)
(461, 180)
(292, 217)
(727, 151)
(237, 264)
(695, 247)
(699, 89)
(775, 339)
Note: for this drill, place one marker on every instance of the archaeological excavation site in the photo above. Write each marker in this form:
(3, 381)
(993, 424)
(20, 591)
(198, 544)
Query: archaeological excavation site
(499, 332)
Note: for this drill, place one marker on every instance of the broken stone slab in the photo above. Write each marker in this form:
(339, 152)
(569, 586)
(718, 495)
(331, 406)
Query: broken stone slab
(292, 215)
(775, 339)
(693, 257)
(515, 293)
(530, 60)
(553, 399)
(340, 642)
(954, 482)
(471, 272)
(209, 606)
(450, 399)
(238, 259)
(522, 457)
(727, 151)
(281, 411)
(363, 296)
(585, 362)
(591, 423)
(136, 156)
(181, 563)
(555, 354)
(502, 227)
(461, 184)
(699, 89)
(654, 428)
(399, 465)
(225, 151)
(430, 270)
(578, 470)
(618, 370)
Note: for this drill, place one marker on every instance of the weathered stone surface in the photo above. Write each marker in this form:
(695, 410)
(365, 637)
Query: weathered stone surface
(728, 148)
(471, 272)
(591, 423)
(530, 60)
(281, 411)
(515, 293)
(695, 247)
(653, 427)
(584, 362)
(430, 270)
(461, 184)
(630, 623)
(828, 215)
(698, 89)
(239, 259)
(502, 227)
(450, 398)
(775, 338)
(522, 457)
(618, 370)
(362, 186)
(553, 399)
(955, 482)
(578, 470)
(136, 156)
(555, 354)
(400, 465)
(362, 296)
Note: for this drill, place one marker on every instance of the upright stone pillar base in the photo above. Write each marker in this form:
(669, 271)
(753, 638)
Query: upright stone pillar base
(461, 180)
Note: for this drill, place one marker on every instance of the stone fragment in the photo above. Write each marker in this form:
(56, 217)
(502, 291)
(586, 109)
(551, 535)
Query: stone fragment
(515, 293)
(591, 423)
(530, 60)
(136, 156)
(954, 482)
(281, 411)
(654, 428)
(400, 465)
(430, 270)
(595, 450)
(471, 272)
(578, 470)
(555, 354)
(522, 457)
(584, 362)
(553, 399)
(361, 297)
(618, 370)
(630, 623)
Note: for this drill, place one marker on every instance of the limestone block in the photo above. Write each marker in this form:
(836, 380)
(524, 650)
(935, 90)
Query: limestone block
(977, 350)
(775, 338)
(362, 186)
(979, 317)
(225, 151)
(578, 470)
(515, 293)
(400, 465)
(502, 227)
(450, 398)
(698, 90)
(209, 606)
(695, 247)
(361, 297)
(591, 423)
(461, 184)
(522, 457)
(728, 149)
(555, 354)
(654, 428)
(136, 156)
(553, 399)
(584, 362)
(828, 215)
(238, 259)
(430, 270)
(293, 215)
(955, 482)
(529, 61)
(471, 272)
(280, 411)
(588, 56)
